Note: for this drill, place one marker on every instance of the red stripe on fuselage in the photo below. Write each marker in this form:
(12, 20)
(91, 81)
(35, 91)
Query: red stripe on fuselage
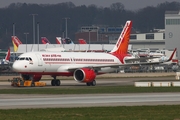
(80, 63)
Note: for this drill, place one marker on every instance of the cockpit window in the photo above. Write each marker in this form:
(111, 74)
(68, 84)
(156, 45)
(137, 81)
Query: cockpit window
(21, 58)
(24, 58)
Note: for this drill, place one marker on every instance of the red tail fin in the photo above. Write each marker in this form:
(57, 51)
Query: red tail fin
(58, 40)
(16, 42)
(121, 46)
(172, 55)
(7, 58)
(82, 41)
(45, 40)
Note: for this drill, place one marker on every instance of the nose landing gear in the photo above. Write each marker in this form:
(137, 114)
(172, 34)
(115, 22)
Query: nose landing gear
(55, 82)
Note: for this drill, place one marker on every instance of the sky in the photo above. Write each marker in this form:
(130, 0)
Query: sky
(129, 4)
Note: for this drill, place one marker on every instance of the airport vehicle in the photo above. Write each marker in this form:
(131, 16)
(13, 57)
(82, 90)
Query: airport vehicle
(83, 66)
(19, 82)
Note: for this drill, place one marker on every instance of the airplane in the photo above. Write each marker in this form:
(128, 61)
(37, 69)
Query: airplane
(82, 41)
(6, 60)
(44, 40)
(60, 40)
(83, 66)
(16, 42)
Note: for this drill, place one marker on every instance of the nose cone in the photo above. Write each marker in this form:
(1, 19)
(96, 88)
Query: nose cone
(16, 67)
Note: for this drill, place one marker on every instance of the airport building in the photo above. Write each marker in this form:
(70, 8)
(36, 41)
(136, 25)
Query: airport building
(109, 35)
(172, 33)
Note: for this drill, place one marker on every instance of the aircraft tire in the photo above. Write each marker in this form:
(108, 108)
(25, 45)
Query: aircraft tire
(32, 84)
(93, 83)
(88, 83)
(53, 82)
(58, 82)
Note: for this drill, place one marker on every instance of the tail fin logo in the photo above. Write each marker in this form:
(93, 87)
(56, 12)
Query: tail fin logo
(82, 41)
(44, 40)
(121, 46)
(7, 58)
(58, 40)
(16, 42)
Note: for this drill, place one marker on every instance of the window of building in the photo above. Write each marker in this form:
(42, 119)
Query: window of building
(133, 37)
(172, 21)
(149, 36)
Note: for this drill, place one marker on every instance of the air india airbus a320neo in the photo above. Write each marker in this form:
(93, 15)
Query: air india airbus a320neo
(83, 66)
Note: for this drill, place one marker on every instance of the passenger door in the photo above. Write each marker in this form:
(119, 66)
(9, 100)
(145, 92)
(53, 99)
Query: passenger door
(40, 62)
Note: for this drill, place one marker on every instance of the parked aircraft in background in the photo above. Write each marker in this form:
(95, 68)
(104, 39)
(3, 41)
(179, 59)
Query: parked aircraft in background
(16, 42)
(6, 60)
(60, 40)
(82, 41)
(84, 66)
(44, 40)
(155, 55)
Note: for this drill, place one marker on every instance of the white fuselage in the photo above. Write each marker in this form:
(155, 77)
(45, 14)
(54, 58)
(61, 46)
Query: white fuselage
(59, 63)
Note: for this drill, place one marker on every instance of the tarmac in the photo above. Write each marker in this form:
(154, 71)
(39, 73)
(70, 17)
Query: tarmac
(109, 75)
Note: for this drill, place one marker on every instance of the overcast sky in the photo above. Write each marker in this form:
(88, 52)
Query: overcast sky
(129, 4)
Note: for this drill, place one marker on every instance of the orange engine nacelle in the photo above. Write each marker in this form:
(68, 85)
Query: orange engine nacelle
(84, 75)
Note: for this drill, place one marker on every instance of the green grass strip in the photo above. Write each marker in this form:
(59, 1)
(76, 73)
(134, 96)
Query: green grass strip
(88, 90)
(161, 112)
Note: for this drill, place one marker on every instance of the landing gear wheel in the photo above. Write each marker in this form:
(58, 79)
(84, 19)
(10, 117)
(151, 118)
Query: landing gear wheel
(58, 82)
(88, 83)
(53, 82)
(93, 83)
(32, 84)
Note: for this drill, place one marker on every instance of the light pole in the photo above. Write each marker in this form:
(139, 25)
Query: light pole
(13, 29)
(97, 33)
(26, 33)
(38, 34)
(33, 27)
(66, 18)
(89, 38)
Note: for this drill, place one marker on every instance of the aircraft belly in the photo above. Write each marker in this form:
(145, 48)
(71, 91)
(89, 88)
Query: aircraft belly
(51, 67)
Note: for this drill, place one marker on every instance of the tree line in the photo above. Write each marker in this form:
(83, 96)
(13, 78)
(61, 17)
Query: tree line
(52, 23)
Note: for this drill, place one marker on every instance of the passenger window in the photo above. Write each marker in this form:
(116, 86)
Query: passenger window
(27, 59)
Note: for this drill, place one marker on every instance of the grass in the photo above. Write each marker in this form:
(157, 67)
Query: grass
(161, 112)
(88, 90)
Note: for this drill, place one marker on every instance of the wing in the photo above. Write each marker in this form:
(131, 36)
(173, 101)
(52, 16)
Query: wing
(97, 66)
(139, 59)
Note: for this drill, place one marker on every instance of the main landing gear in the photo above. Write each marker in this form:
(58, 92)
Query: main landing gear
(55, 82)
(93, 83)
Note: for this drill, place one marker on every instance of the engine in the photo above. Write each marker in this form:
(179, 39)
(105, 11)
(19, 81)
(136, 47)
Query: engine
(84, 75)
(31, 77)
